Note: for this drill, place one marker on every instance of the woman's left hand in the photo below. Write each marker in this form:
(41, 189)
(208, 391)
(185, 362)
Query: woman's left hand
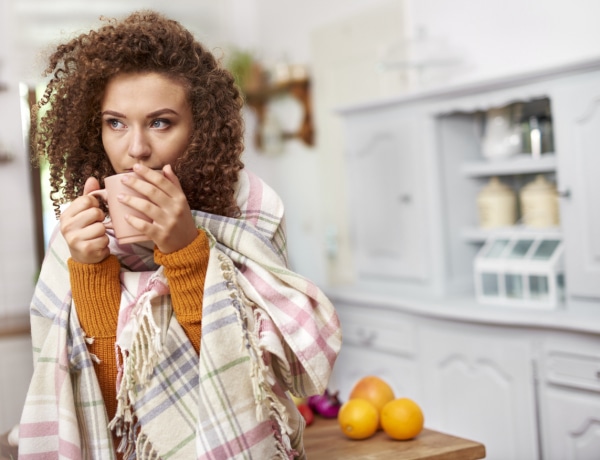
(171, 225)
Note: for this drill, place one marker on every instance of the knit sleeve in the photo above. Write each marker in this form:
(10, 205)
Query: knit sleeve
(186, 272)
(96, 291)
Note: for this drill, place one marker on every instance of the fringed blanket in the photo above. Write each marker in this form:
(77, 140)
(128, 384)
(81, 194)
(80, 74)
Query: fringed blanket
(265, 330)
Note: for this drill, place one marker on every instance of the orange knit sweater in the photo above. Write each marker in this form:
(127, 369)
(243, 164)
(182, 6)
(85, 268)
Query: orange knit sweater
(97, 294)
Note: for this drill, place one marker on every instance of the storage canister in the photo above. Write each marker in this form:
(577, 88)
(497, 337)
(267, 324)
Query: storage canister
(539, 203)
(497, 204)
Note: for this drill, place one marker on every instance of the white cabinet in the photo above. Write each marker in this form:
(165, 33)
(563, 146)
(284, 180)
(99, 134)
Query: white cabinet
(376, 343)
(416, 167)
(570, 398)
(478, 384)
(387, 195)
(524, 382)
(577, 113)
(16, 368)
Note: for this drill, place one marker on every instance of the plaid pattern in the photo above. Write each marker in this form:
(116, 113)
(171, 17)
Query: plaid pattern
(265, 330)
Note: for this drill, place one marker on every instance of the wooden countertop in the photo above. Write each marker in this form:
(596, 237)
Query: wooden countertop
(323, 440)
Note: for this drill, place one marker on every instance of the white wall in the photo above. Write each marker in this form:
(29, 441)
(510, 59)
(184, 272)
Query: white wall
(486, 38)
(491, 38)
(17, 261)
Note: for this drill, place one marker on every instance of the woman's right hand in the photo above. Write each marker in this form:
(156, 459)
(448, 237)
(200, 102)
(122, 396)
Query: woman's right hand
(82, 227)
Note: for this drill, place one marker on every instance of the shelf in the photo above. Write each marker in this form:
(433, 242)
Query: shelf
(479, 235)
(520, 164)
(300, 89)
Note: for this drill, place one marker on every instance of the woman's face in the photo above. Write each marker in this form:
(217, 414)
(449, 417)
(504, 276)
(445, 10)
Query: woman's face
(146, 119)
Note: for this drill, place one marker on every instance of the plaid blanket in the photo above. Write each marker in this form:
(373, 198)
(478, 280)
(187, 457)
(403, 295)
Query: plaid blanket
(265, 331)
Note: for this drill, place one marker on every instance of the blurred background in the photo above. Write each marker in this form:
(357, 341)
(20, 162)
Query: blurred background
(301, 61)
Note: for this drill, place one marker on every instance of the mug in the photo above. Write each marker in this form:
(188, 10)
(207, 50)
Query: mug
(113, 186)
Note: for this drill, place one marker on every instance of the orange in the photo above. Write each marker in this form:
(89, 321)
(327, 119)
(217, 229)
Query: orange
(358, 418)
(373, 389)
(402, 419)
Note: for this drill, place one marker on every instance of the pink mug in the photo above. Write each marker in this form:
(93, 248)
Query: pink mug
(113, 186)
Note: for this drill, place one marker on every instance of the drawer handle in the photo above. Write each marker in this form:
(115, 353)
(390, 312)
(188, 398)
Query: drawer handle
(366, 339)
(598, 375)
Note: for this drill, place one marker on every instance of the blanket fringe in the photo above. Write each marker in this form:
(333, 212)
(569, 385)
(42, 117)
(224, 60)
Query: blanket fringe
(136, 368)
(267, 402)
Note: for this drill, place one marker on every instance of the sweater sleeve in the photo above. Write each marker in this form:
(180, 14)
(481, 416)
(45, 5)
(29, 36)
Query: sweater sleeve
(186, 272)
(96, 292)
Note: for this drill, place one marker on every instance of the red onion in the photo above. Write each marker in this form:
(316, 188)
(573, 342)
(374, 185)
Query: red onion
(326, 405)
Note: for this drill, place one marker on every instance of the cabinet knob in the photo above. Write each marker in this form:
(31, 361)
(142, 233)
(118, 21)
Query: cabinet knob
(564, 193)
(405, 198)
(366, 338)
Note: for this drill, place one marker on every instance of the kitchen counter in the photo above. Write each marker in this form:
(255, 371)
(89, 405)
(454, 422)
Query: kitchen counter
(323, 440)
(14, 325)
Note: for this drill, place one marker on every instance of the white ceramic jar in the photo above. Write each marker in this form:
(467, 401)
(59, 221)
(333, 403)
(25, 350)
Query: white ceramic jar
(539, 203)
(502, 137)
(497, 205)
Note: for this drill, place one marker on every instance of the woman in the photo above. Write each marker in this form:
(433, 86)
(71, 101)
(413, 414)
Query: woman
(184, 346)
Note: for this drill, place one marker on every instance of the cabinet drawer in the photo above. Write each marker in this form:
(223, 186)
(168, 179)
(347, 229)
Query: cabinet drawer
(378, 329)
(573, 369)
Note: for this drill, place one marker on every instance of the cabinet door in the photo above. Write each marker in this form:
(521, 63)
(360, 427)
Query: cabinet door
(570, 397)
(376, 342)
(571, 423)
(576, 112)
(386, 191)
(478, 384)
(16, 368)
(355, 362)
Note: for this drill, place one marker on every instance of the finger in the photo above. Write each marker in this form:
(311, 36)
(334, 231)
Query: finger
(169, 185)
(91, 184)
(90, 233)
(82, 204)
(170, 174)
(84, 219)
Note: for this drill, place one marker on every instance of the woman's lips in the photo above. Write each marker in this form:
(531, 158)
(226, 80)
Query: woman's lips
(154, 169)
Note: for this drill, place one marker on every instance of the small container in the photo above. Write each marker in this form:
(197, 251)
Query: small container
(502, 137)
(539, 203)
(497, 204)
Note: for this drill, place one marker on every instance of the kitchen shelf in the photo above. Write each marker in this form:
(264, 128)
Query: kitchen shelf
(479, 235)
(520, 164)
(300, 89)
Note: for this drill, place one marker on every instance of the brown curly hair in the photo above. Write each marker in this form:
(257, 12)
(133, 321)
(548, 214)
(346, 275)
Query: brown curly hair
(69, 133)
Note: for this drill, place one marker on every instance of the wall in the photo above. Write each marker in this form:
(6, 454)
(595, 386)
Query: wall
(490, 38)
(483, 39)
(17, 260)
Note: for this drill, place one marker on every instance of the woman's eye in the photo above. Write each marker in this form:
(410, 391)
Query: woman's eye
(161, 123)
(114, 123)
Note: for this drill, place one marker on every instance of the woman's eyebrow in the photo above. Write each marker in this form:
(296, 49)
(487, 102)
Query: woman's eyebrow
(112, 113)
(156, 113)
(159, 112)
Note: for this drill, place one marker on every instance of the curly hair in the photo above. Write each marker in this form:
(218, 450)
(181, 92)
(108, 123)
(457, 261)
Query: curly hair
(69, 136)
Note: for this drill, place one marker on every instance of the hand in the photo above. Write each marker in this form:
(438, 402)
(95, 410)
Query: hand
(81, 225)
(171, 225)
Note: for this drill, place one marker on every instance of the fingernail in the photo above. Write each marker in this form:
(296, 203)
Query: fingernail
(120, 197)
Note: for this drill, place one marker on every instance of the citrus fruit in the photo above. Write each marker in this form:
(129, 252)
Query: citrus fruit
(402, 419)
(358, 418)
(373, 389)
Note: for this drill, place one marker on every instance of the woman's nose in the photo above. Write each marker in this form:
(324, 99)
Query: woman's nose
(139, 147)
